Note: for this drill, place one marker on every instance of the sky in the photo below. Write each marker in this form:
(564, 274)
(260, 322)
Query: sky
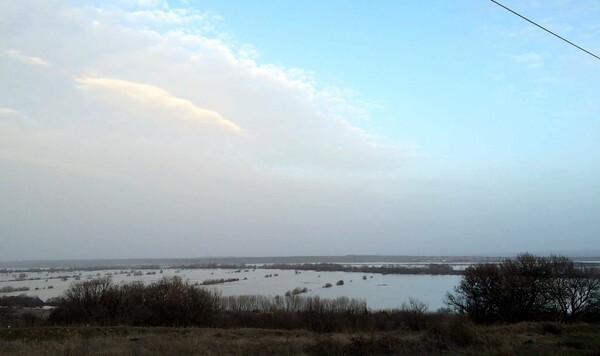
(154, 128)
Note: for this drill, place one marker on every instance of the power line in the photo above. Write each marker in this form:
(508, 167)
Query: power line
(545, 29)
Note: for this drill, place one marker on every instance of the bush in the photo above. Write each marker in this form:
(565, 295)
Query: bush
(414, 313)
(10, 289)
(527, 288)
(461, 331)
(552, 328)
(209, 282)
(167, 302)
(296, 291)
(455, 330)
(21, 301)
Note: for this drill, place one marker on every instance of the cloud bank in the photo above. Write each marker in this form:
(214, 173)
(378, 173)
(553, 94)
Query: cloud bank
(145, 127)
(141, 129)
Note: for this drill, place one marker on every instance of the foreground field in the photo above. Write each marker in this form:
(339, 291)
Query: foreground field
(467, 339)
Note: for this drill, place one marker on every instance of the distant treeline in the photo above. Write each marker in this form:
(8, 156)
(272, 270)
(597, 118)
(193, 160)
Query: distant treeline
(214, 265)
(430, 269)
(179, 262)
(124, 268)
(433, 268)
(77, 269)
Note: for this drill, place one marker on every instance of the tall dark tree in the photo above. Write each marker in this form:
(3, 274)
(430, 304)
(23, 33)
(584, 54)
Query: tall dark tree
(527, 288)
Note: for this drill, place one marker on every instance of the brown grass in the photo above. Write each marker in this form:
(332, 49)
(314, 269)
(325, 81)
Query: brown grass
(447, 338)
(153, 341)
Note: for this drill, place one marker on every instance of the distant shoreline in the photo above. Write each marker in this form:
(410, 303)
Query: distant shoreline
(180, 262)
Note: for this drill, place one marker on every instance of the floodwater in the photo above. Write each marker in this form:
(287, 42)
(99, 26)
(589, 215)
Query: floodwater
(379, 291)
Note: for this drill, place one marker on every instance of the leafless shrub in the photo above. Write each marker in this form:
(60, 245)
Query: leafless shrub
(169, 301)
(527, 288)
(414, 313)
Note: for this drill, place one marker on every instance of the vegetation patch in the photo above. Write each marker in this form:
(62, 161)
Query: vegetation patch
(296, 291)
(209, 282)
(10, 289)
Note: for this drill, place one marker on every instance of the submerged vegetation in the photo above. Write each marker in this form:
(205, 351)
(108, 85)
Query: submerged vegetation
(531, 303)
(430, 269)
(296, 291)
(10, 289)
(209, 282)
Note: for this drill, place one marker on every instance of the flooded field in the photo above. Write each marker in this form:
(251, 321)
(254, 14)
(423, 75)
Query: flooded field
(380, 291)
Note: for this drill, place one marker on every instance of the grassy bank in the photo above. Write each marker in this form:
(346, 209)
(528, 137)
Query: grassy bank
(466, 338)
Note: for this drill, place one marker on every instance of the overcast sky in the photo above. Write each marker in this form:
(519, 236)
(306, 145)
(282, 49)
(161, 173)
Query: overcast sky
(262, 128)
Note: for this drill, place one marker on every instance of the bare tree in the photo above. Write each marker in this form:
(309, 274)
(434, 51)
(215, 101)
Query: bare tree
(527, 288)
(574, 291)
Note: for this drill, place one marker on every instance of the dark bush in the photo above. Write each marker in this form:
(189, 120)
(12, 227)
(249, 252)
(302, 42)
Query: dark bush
(527, 288)
(262, 320)
(552, 328)
(296, 291)
(461, 331)
(414, 314)
(173, 302)
(168, 302)
(209, 282)
(21, 301)
(457, 330)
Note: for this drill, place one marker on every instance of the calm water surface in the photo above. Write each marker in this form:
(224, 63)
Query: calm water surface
(380, 291)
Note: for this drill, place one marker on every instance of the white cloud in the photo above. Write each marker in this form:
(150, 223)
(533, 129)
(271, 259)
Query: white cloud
(136, 60)
(144, 97)
(152, 60)
(31, 60)
(10, 112)
(232, 153)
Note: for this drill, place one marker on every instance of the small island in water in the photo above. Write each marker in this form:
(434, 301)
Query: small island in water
(329, 305)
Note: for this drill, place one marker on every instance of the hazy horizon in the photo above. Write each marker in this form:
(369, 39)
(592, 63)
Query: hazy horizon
(166, 129)
(584, 255)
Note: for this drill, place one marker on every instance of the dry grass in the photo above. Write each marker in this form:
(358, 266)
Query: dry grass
(447, 338)
(154, 341)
